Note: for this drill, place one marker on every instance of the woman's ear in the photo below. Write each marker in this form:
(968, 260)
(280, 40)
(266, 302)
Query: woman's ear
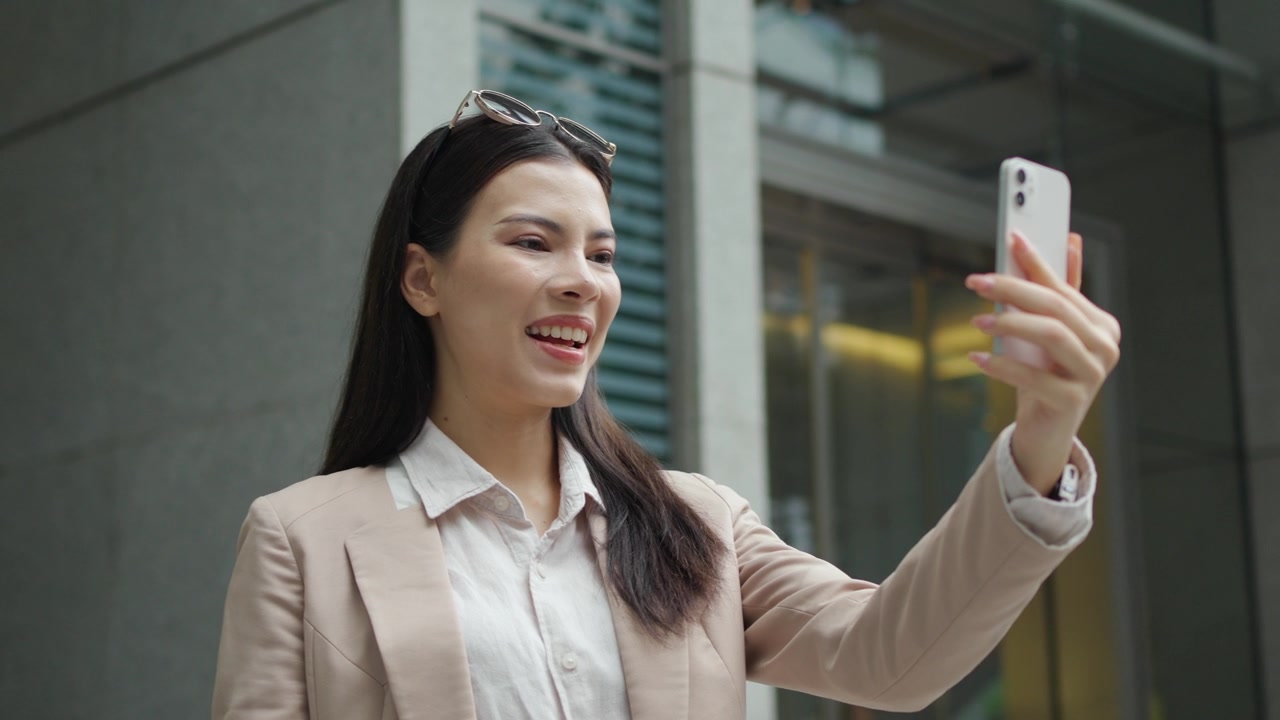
(418, 283)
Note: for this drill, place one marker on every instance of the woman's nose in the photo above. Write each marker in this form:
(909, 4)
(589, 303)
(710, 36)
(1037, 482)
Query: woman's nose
(575, 279)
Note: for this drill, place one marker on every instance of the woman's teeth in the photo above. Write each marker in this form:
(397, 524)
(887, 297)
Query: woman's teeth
(577, 336)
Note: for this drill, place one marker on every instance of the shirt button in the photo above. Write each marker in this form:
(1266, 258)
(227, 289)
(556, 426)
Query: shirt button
(569, 661)
(501, 503)
(542, 570)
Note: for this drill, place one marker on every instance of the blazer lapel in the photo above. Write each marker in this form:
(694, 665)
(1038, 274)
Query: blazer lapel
(656, 672)
(400, 570)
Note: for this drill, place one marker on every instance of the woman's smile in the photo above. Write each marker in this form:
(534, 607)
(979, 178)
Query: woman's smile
(563, 337)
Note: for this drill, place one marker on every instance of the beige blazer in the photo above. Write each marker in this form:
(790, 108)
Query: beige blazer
(339, 607)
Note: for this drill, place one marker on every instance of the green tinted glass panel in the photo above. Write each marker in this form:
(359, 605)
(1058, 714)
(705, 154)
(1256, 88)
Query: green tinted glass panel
(624, 104)
(630, 24)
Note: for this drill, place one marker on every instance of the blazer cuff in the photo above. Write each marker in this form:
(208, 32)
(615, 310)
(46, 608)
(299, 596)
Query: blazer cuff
(1055, 524)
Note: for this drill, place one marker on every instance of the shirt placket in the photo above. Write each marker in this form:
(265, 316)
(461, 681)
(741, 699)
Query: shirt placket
(522, 538)
(562, 661)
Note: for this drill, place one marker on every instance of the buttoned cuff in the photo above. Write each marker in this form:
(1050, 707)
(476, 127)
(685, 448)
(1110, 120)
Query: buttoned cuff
(1055, 524)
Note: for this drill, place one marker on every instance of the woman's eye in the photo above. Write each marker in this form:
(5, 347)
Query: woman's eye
(531, 243)
(604, 257)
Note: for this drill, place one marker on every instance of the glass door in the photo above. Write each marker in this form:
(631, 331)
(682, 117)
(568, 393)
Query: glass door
(877, 419)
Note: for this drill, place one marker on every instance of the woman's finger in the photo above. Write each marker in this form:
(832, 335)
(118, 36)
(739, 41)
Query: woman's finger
(1066, 349)
(1033, 298)
(1054, 391)
(1038, 271)
(1033, 264)
(1075, 260)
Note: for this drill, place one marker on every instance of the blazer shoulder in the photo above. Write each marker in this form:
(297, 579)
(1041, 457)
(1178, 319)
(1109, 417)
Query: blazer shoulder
(319, 493)
(706, 494)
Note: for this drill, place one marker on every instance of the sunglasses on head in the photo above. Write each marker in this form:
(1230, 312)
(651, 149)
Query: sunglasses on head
(509, 111)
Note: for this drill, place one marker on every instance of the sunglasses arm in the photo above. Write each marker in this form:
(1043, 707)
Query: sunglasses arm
(465, 102)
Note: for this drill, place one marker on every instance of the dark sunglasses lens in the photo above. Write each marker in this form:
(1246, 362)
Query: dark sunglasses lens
(585, 134)
(510, 107)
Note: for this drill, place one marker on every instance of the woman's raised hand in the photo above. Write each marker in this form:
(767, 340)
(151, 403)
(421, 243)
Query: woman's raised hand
(1081, 340)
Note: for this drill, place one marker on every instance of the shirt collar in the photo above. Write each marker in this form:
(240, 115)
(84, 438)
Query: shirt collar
(444, 475)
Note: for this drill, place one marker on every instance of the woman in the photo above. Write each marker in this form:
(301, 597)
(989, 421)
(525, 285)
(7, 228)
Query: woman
(485, 541)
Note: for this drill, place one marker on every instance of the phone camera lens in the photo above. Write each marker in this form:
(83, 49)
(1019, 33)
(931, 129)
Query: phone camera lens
(1022, 177)
(1020, 198)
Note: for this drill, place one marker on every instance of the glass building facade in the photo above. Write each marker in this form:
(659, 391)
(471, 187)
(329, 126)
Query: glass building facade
(875, 418)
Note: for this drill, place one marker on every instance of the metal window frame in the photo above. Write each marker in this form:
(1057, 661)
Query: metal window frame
(576, 40)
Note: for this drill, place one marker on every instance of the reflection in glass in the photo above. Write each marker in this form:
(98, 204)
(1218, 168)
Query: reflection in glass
(877, 418)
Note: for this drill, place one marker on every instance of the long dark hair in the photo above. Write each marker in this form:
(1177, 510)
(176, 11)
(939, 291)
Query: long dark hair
(663, 556)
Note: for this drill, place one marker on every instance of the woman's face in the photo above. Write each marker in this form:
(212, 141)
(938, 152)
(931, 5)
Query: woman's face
(520, 307)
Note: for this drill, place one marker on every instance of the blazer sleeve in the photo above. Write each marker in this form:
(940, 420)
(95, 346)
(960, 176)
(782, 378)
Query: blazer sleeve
(261, 674)
(900, 645)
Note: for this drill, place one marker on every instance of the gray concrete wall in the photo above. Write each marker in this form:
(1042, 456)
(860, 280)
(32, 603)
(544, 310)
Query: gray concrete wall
(1253, 176)
(186, 196)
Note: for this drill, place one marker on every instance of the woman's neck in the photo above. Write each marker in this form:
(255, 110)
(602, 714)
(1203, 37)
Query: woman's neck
(518, 450)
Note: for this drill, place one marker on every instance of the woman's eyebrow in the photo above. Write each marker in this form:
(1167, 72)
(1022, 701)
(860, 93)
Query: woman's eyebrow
(553, 226)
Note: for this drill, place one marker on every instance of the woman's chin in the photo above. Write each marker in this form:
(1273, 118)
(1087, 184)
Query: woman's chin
(553, 395)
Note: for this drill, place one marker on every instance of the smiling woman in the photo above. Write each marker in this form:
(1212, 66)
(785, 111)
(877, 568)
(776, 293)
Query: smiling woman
(486, 541)
(535, 251)
(508, 230)
(487, 299)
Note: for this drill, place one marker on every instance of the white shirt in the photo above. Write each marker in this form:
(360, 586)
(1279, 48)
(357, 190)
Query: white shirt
(536, 623)
(535, 620)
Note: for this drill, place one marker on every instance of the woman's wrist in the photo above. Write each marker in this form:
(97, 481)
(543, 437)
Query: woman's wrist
(1041, 456)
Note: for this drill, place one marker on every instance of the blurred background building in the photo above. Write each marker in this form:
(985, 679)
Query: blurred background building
(187, 192)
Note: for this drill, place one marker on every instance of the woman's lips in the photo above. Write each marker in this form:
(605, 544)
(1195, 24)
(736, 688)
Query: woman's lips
(565, 353)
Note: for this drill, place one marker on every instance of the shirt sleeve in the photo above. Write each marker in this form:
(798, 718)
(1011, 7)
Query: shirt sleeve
(1052, 523)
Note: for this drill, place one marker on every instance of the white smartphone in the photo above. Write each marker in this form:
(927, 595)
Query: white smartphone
(1035, 201)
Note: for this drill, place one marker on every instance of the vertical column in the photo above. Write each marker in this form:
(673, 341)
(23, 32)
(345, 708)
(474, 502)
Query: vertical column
(439, 63)
(1253, 185)
(717, 344)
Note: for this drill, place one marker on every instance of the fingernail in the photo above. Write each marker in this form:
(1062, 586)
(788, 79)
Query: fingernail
(980, 282)
(981, 359)
(984, 322)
